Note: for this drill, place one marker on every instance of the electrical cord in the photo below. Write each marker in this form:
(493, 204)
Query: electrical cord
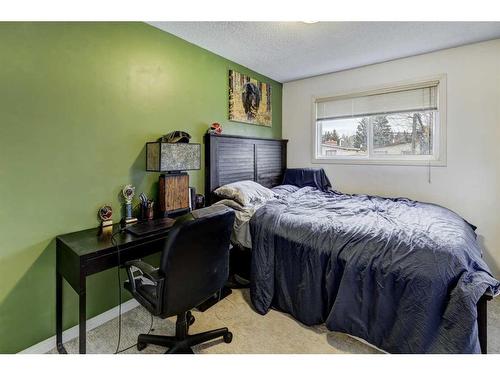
(117, 351)
(131, 346)
(119, 288)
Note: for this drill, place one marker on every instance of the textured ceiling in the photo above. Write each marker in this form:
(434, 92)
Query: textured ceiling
(287, 51)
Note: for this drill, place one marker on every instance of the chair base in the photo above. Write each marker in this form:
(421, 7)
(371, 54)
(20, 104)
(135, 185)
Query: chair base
(182, 342)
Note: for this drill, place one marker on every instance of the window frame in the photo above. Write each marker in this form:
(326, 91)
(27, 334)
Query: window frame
(439, 140)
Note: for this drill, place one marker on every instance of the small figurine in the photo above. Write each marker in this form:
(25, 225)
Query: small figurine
(215, 128)
(128, 193)
(105, 213)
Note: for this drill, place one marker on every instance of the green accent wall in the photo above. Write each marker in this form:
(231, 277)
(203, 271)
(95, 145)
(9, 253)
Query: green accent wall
(78, 102)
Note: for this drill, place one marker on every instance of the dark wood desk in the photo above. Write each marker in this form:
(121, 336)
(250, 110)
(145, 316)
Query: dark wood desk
(84, 253)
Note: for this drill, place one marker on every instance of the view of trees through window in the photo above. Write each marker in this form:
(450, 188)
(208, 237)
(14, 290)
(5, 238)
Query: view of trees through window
(395, 134)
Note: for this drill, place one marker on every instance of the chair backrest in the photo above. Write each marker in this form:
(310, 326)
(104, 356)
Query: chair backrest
(195, 260)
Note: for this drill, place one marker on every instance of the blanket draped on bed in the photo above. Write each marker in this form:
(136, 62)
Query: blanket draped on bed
(403, 275)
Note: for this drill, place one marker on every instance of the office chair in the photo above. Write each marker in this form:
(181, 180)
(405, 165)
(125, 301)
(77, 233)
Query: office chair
(193, 267)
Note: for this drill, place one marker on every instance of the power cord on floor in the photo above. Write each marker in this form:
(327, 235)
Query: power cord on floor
(131, 346)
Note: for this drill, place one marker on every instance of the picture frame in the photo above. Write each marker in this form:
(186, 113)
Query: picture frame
(250, 100)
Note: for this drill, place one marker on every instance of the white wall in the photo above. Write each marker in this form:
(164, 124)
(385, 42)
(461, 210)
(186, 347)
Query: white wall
(469, 184)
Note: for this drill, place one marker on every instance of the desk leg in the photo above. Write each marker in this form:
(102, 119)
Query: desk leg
(83, 315)
(59, 316)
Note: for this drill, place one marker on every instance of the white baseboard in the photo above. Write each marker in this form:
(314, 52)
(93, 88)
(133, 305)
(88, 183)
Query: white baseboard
(71, 333)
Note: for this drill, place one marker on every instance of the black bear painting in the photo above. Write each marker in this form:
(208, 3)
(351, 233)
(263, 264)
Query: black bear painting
(249, 100)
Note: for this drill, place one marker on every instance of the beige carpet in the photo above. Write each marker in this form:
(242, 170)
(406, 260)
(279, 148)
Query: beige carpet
(252, 333)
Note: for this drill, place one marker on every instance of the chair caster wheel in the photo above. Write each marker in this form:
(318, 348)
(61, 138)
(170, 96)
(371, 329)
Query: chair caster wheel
(141, 346)
(228, 337)
(190, 318)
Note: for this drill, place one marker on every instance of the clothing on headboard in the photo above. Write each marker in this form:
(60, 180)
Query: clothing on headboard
(301, 177)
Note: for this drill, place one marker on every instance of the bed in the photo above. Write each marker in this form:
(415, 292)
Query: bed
(405, 276)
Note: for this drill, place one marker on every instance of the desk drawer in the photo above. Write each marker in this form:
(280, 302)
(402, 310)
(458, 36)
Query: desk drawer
(106, 261)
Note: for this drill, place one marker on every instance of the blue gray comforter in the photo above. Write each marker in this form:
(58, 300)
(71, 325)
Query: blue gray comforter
(403, 275)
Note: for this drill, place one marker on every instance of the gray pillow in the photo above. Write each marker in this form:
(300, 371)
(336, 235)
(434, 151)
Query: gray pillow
(245, 192)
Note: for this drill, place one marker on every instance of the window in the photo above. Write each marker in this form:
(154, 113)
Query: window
(397, 125)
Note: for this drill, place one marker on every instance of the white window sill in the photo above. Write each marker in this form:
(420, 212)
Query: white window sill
(361, 161)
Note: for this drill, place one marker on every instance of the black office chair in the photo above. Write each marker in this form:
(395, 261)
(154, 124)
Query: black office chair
(194, 267)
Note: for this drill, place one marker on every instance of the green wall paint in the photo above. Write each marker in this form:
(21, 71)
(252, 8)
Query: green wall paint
(78, 101)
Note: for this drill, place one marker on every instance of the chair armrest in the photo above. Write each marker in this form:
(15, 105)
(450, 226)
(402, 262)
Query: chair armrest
(146, 269)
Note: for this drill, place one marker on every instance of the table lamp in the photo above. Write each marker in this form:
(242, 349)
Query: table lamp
(172, 160)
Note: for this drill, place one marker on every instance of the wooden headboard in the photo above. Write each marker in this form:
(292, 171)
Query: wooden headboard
(231, 158)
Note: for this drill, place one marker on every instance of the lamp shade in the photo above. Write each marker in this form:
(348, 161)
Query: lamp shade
(171, 157)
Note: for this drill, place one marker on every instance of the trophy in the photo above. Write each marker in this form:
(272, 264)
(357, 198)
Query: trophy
(128, 193)
(105, 213)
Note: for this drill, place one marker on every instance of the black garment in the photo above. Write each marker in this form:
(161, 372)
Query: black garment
(302, 177)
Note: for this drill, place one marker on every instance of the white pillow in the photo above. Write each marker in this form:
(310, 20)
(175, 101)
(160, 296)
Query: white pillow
(245, 192)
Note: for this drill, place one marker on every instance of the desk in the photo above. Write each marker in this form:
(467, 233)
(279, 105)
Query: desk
(84, 253)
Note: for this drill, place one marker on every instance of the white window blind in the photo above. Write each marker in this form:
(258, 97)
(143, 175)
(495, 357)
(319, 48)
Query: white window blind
(420, 98)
